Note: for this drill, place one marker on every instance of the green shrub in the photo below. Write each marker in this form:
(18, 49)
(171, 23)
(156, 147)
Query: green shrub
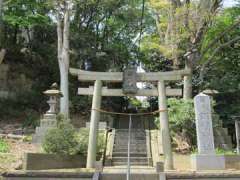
(27, 138)
(221, 151)
(83, 136)
(64, 139)
(181, 115)
(61, 140)
(4, 147)
(181, 118)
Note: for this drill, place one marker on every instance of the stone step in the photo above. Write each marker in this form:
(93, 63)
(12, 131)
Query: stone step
(132, 134)
(140, 136)
(125, 149)
(131, 147)
(138, 148)
(143, 143)
(140, 161)
(227, 139)
(133, 139)
(132, 154)
(132, 159)
(126, 130)
(132, 163)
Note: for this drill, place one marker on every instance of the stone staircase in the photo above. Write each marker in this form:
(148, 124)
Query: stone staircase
(139, 155)
(222, 138)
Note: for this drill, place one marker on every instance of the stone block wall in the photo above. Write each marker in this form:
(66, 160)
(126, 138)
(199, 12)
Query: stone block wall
(11, 84)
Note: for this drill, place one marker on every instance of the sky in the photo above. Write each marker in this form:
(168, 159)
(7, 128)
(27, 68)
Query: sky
(228, 3)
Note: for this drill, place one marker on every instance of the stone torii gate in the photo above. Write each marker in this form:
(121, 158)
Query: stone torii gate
(98, 91)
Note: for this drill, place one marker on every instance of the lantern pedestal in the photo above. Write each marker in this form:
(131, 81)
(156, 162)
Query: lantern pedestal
(49, 119)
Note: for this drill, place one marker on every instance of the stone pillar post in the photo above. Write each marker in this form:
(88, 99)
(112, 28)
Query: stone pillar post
(206, 159)
(93, 131)
(164, 127)
(237, 129)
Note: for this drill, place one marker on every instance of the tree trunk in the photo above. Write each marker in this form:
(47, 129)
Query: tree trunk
(64, 101)
(187, 89)
(2, 51)
(1, 14)
(63, 60)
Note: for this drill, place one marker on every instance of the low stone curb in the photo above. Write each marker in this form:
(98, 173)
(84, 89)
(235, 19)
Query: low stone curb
(47, 174)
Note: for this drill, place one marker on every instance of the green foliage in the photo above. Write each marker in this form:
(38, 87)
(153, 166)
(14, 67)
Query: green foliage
(61, 140)
(181, 114)
(83, 137)
(218, 151)
(25, 13)
(27, 138)
(135, 102)
(224, 152)
(181, 117)
(222, 70)
(66, 140)
(4, 147)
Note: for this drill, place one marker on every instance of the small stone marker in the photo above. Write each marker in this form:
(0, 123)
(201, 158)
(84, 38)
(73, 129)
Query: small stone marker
(206, 159)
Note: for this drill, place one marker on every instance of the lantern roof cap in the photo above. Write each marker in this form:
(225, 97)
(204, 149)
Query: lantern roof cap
(53, 91)
(210, 92)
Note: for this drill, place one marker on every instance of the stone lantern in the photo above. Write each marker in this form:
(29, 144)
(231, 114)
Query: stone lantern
(49, 119)
(54, 95)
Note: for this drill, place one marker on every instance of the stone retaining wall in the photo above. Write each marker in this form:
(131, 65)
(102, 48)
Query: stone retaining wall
(38, 161)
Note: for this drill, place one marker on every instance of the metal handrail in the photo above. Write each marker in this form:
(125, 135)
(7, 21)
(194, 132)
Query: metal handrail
(129, 145)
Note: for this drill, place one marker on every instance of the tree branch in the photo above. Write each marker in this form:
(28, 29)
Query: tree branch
(221, 35)
(221, 47)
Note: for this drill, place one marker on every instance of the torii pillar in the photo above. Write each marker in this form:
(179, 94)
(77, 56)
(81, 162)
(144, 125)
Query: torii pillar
(93, 130)
(164, 126)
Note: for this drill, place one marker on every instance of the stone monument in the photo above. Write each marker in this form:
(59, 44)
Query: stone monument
(206, 159)
(50, 117)
(130, 81)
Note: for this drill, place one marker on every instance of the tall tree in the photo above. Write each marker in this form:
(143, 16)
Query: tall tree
(63, 31)
(181, 27)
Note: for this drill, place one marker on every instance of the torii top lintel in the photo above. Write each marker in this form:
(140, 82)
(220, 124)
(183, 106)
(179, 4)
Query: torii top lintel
(118, 76)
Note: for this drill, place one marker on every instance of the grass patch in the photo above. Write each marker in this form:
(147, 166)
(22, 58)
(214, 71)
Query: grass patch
(218, 151)
(4, 147)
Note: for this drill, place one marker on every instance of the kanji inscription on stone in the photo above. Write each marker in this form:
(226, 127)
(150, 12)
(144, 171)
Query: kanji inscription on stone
(204, 126)
(130, 81)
